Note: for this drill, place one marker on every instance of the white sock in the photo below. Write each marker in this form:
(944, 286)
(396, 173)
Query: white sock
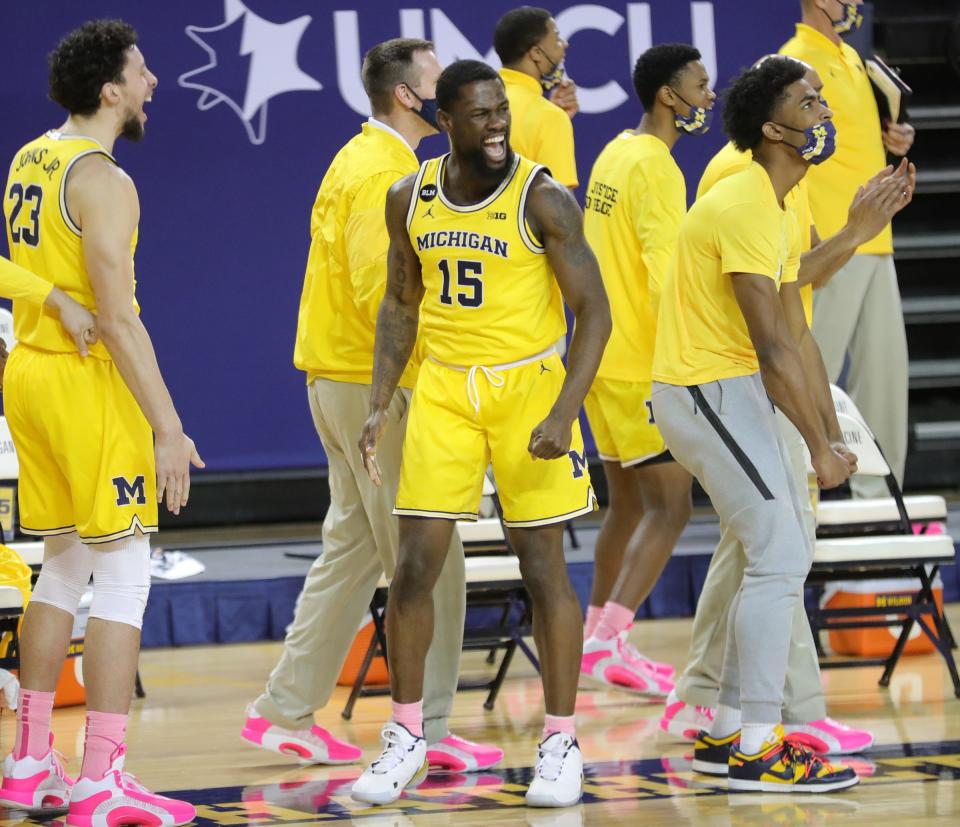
(752, 737)
(725, 722)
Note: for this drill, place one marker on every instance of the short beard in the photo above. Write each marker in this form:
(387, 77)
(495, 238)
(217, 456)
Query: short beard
(477, 162)
(132, 129)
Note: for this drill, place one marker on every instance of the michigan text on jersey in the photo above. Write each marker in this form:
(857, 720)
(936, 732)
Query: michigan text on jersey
(470, 241)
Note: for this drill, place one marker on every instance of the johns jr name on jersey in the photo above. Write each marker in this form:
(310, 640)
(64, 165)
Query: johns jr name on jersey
(457, 238)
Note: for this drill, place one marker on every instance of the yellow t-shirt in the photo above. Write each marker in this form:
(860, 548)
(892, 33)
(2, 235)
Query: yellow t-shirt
(737, 227)
(635, 201)
(730, 160)
(860, 154)
(490, 297)
(44, 238)
(347, 266)
(17, 283)
(539, 129)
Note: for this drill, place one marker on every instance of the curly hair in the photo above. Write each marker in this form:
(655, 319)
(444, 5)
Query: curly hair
(518, 31)
(660, 66)
(458, 74)
(753, 98)
(86, 59)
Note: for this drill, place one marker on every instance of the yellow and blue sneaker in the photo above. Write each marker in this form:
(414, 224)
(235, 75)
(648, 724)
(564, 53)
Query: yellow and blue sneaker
(711, 756)
(785, 766)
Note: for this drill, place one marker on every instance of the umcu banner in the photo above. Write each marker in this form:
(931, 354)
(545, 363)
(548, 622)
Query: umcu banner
(254, 100)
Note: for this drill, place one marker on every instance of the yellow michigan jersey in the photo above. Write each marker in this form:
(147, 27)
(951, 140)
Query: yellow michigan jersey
(85, 447)
(491, 315)
(44, 238)
(491, 297)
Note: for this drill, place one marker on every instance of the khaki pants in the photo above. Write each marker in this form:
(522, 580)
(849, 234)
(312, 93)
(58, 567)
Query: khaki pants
(699, 685)
(360, 543)
(859, 312)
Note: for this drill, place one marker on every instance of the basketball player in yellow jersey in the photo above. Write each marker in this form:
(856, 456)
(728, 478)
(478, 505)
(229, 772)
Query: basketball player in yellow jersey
(99, 440)
(635, 201)
(480, 239)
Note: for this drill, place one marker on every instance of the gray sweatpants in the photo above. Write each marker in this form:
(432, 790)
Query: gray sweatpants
(360, 543)
(700, 682)
(859, 312)
(726, 435)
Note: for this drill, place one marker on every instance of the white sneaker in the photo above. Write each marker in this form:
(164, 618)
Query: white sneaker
(402, 764)
(684, 721)
(558, 778)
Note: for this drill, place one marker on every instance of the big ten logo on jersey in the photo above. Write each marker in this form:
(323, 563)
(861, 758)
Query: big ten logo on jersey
(130, 492)
(601, 198)
(579, 461)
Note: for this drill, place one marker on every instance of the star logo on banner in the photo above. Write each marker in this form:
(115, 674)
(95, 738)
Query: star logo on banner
(251, 61)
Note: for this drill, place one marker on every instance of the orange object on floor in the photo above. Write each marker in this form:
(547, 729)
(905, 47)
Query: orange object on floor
(377, 675)
(70, 690)
(883, 594)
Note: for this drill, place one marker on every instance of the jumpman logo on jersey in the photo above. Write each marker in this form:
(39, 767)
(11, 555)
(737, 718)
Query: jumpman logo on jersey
(543, 369)
(428, 213)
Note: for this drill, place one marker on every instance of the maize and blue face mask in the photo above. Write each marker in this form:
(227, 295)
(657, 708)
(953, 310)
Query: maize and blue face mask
(820, 143)
(554, 75)
(696, 123)
(850, 20)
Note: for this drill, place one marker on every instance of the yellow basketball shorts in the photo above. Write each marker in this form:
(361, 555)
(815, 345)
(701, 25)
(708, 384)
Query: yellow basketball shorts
(621, 419)
(85, 448)
(449, 445)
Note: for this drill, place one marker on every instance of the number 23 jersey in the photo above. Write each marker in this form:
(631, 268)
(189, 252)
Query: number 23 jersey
(490, 294)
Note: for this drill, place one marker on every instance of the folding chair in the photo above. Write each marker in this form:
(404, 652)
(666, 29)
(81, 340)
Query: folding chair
(492, 581)
(883, 557)
(839, 518)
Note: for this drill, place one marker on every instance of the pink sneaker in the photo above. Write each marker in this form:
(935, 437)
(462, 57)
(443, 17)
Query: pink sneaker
(35, 784)
(665, 669)
(118, 799)
(684, 721)
(455, 754)
(309, 746)
(607, 662)
(829, 737)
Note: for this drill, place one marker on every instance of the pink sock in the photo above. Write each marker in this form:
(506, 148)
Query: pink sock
(33, 724)
(105, 732)
(615, 619)
(410, 715)
(593, 618)
(559, 723)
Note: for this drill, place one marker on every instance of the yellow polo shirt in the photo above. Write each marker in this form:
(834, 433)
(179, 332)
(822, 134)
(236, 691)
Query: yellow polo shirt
(730, 160)
(633, 206)
(737, 227)
(20, 284)
(540, 130)
(860, 154)
(347, 265)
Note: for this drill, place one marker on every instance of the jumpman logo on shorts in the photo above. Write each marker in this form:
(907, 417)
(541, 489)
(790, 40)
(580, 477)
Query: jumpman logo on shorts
(543, 369)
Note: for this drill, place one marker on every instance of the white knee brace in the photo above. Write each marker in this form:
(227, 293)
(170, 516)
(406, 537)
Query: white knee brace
(67, 566)
(121, 580)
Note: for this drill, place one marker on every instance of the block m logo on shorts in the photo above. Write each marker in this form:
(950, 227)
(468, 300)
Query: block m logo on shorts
(127, 490)
(579, 463)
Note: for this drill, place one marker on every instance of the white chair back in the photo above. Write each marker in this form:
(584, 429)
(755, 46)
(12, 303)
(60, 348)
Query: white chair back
(843, 404)
(6, 328)
(9, 464)
(870, 461)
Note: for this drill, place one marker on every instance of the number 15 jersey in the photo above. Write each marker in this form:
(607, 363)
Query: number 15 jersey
(491, 297)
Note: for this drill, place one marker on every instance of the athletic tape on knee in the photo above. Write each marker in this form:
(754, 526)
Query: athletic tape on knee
(121, 581)
(67, 565)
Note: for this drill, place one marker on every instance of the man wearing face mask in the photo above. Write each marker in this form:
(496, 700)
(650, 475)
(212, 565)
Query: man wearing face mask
(345, 281)
(532, 52)
(635, 201)
(859, 311)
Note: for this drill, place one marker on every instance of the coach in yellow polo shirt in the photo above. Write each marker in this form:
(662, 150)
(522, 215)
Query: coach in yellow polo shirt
(532, 52)
(859, 312)
(345, 281)
(731, 336)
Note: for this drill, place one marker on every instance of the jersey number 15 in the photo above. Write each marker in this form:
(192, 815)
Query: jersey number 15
(469, 283)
